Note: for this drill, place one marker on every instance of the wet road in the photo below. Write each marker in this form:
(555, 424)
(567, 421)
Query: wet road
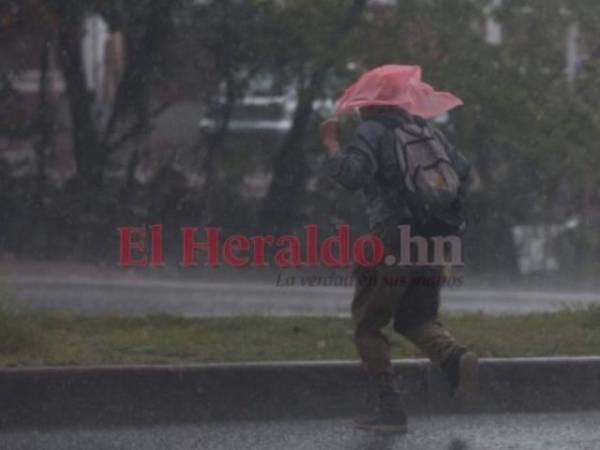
(575, 431)
(206, 298)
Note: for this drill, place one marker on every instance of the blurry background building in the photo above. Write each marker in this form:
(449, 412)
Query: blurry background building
(206, 112)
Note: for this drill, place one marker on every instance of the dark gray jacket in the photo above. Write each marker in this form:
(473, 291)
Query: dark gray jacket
(369, 163)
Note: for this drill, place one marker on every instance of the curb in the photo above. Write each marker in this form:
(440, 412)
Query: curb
(146, 395)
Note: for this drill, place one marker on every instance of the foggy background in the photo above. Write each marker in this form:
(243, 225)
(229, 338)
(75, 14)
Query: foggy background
(206, 113)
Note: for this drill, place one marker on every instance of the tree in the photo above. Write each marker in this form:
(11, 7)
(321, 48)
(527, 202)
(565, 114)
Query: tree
(279, 208)
(146, 24)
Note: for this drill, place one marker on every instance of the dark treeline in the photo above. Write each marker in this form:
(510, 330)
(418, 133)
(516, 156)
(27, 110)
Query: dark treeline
(164, 143)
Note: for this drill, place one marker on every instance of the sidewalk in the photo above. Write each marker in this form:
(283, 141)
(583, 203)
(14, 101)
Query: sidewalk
(150, 395)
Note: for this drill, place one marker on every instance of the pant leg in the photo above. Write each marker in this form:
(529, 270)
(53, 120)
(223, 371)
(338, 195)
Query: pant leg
(372, 309)
(434, 340)
(421, 301)
(412, 298)
(417, 317)
(374, 303)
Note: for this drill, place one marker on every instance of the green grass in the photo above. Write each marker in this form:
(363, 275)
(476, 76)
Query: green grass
(31, 338)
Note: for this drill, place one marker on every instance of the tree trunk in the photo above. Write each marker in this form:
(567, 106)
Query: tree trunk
(44, 136)
(215, 141)
(86, 145)
(44, 126)
(144, 36)
(280, 206)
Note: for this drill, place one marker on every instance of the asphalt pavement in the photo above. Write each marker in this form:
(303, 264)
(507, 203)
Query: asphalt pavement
(90, 295)
(572, 431)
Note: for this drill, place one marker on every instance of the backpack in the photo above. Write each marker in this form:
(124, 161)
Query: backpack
(432, 177)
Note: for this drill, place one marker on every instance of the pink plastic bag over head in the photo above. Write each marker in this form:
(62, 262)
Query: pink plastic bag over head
(397, 85)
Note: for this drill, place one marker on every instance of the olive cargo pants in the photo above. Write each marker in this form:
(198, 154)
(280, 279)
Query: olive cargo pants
(410, 296)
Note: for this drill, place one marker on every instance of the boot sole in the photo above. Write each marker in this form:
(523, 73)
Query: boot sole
(467, 392)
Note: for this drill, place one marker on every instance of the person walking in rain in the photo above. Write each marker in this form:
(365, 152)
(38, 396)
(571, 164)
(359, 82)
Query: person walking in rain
(410, 175)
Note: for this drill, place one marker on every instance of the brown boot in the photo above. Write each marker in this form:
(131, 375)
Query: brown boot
(390, 415)
(462, 370)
